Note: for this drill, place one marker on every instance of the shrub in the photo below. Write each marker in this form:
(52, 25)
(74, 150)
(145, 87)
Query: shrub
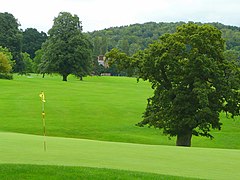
(6, 76)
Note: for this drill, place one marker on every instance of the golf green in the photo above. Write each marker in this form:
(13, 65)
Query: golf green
(206, 163)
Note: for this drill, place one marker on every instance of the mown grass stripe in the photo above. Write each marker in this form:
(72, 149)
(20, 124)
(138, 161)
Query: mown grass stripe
(204, 163)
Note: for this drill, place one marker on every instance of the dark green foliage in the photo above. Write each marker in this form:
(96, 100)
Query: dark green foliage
(37, 61)
(130, 39)
(138, 36)
(231, 34)
(28, 63)
(11, 37)
(120, 63)
(32, 41)
(193, 82)
(232, 56)
(6, 76)
(67, 50)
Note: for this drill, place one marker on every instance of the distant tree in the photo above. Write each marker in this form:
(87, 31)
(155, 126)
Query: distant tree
(11, 37)
(37, 60)
(5, 66)
(232, 55)
(6, 63)
(28, 63)
(32, 41)
(67, 50)
(99, 46)
(134, 48)
(139, 36)
(193, 82)
(123, 45)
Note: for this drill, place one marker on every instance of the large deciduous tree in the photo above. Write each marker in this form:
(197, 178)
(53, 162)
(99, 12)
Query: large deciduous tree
(32, 41)
(67, 50)
(11, 38)
(192, 81)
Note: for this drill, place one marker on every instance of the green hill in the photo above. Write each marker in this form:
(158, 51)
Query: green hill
(132, 38)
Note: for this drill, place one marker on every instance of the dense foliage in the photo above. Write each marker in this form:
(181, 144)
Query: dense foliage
(6, 63)
(193, 82)
(129, 39)
(135, 37)
(132, 38)
(32, 41)
(67, 50)
(11, 38)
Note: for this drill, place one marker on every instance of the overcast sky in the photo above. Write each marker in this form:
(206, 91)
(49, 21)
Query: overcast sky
(100, 14)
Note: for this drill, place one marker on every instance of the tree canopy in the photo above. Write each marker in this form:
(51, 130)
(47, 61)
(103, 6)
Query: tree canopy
(32, 41)
(67, 50)
(139, 36)
(11, 38)
(6, 61)
(132, 38)
(192, 81)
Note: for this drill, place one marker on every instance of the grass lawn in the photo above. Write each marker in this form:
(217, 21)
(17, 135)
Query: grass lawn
(105, 109)
(101, 108)
(23, 171)
(205, 163)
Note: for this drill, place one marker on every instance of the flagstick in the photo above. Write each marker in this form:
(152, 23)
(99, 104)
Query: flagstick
(43, 119)
(44, 127)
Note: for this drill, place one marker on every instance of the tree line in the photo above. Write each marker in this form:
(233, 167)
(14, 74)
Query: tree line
(27, 45)
(65, 50)
(132, 38)
(21, 44)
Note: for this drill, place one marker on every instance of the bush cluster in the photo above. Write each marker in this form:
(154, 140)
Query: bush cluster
(6, 76)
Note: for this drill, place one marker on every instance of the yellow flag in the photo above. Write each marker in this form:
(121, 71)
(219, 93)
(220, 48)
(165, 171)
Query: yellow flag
(42, 96)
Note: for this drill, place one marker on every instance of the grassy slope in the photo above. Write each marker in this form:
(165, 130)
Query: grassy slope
(103, 108)
(175, 161)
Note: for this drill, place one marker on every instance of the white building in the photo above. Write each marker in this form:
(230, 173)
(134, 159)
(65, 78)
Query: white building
(102, 61)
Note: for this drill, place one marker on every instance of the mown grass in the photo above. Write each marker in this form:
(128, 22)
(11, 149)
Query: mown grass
(205, 163)
(38, 172)
(102, 108)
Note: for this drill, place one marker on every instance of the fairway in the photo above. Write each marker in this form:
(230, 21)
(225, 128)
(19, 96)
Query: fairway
(203, 163)
(91, 124)
(98, 108)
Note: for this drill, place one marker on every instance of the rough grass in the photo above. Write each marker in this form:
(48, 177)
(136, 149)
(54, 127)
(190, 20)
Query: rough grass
(29, 172)
(102, 108)
(205, 163)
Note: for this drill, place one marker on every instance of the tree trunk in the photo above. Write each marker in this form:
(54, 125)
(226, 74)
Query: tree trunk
(81, 78)
(64, 77)
(184, 139)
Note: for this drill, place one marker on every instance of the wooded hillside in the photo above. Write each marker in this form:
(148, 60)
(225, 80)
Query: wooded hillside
(131, 38)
